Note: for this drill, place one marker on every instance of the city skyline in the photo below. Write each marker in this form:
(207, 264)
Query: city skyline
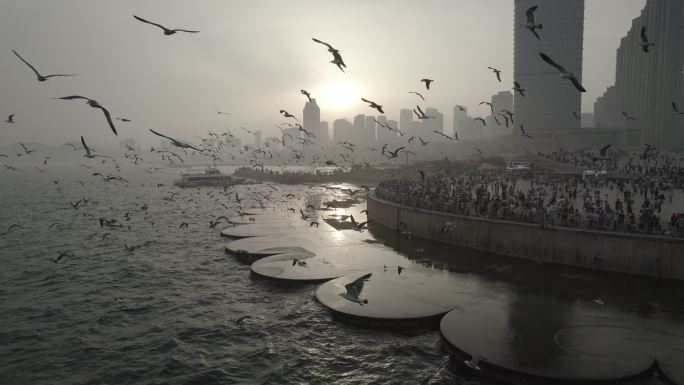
(186, 76)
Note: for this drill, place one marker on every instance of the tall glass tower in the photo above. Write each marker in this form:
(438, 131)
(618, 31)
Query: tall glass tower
(549, 101)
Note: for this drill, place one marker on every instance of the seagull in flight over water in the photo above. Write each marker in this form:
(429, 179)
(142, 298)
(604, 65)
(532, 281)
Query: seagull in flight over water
(374, 105)
(353, 290)
(564, 74)
(40, 77)
(175, 142)
(88, 153)
(167, 31)
(94, 104)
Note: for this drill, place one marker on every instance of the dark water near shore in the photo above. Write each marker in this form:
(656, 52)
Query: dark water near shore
(166, 313)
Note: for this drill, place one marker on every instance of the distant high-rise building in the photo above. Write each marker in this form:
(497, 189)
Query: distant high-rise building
(312, 117)
(257, 138)
(290, 136)
(406, 121)
(324, 135)
(436, 123)
(549, 100)
(606, 110)
(359, 128)
(343, 130)
(646, 83)
(369, 133)
(384, 134)
(501, 101)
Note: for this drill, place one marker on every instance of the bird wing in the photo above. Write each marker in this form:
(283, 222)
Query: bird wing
(109, 119)
(27, 63)
(577, 84)
(85, 146)
(354, 288)
(149, 22)
(552, 63)
(644, 38)
(184, 30)
(73, 97)
(162, 135)
(534, 32)
(420, 110)
(322, 42)
(24, 147)
(367, 101)
(530, 14)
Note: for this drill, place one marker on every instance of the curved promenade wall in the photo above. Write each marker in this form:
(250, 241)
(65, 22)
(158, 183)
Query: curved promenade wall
(656, 256)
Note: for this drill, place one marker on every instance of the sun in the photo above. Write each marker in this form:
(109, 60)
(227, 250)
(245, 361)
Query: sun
(338, 95)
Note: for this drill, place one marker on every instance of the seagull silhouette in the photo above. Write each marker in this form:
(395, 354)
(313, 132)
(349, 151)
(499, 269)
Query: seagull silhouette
(645, 44)
(427, 82)
(40, 77)
(220, 112)
(374, 105)
(417, 93)
(531, 23)
(337, 58)
(497, 72)
(628, 117)
(518, 89)
(167, 31)
(94, 104)
(10, 119)
(306, 93)
(88, 153)
(564, 74)
(174, 141)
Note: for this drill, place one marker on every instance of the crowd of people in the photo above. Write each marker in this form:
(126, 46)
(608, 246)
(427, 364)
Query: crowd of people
(649, 162)
(546, 199)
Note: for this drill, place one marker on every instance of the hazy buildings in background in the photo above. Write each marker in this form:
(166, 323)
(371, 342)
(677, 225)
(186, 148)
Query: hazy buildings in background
(646, 83)
(312, 117)
(549, 101)
(501, 101)
(257, 138)
(368, 135)
(342, 130)
(324, 133)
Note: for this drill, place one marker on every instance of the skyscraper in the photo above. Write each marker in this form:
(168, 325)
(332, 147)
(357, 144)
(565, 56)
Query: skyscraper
(324, 135)
(342, 130)
(369, 134)
(646, 83)
(312, 117)
(359, 128)
(257, 138)
(406, 121)
(501, 101)
(549, 101)
(436, 123)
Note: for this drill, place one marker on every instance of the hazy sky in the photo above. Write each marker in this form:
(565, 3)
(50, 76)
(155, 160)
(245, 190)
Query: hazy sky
(251, 58)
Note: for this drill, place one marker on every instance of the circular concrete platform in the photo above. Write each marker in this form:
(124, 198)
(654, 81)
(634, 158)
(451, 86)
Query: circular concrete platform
(309, 239)
(545, 347)
(418, 297)
(251, 257)
(326, 263)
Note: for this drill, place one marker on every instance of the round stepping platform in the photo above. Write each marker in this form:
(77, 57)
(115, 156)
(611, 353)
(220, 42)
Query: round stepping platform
(251, 257)
(538, 340)
(310, 239)
(416, 298)
(326, 263)
(273, 229)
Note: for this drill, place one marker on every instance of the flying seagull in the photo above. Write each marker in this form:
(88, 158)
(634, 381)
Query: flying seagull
(220, 112)
(645, 44)
(491, 107)
(353, 290)
(604, 150)
(26, 149)
(427, 82)
(337, 58)
(88, 153)
(374, 105)
(421, 115)
(461, 108)
(40, 77)
(288, 115)
(676, 110)
(518, 89)
(564, 74)
(167, 31)
(94, 104)
(497, 72)
(175, 142)
(10, 119)
(628, 117)
(482, 121)
(531, 23)
(306, 93)
(417, 93)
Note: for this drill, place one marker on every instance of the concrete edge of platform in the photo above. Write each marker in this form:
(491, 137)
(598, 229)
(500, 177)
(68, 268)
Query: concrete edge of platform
(509, 376)
(315, 281)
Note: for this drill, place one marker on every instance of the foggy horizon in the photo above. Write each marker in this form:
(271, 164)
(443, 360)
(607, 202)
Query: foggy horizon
(254, 66)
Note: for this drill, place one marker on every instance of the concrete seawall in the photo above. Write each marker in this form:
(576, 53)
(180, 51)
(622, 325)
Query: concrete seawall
(647, 255)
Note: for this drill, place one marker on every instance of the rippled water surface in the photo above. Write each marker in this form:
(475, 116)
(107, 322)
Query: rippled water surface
(166, 312)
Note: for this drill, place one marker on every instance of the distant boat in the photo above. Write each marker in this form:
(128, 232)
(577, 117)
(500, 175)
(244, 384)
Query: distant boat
(210, 176)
